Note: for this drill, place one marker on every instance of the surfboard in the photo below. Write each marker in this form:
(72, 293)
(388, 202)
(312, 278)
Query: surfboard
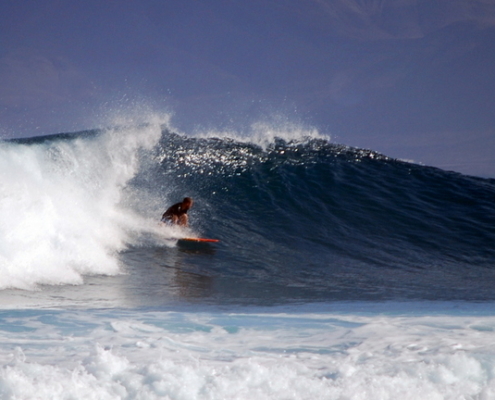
(200, 240)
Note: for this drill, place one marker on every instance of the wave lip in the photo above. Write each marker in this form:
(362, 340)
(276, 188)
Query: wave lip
(247, 355)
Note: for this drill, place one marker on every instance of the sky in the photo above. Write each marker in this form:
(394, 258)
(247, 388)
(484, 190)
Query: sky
(412, 79)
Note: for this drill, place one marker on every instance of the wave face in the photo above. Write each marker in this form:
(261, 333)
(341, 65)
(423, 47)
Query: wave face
(334, 222)
(297, 218)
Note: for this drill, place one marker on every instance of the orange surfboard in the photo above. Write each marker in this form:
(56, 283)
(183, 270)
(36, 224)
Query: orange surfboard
(201, 240)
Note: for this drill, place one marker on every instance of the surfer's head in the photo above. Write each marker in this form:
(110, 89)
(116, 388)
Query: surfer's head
(187, 203)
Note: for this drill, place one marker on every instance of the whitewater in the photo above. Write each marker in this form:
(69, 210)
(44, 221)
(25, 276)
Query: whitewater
(340, 273)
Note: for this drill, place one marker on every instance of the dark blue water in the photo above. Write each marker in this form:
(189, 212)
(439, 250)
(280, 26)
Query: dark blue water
(315, 221)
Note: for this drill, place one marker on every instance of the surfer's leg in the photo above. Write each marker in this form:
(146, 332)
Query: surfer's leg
(183, 220)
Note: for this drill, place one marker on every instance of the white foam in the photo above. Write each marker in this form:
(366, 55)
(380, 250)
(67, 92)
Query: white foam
(264, 133)
(158, 355)
(60, 211)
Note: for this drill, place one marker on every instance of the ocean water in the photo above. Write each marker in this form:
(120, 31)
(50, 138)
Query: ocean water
(340, 273)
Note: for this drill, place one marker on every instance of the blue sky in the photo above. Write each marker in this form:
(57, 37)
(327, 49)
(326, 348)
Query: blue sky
(411, 79)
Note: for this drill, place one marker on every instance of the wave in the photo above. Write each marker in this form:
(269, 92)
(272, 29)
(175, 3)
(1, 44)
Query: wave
(293, 210)
(61, 211)
(331, 218)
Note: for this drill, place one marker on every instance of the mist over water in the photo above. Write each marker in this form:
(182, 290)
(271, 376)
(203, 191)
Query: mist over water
(61, 207)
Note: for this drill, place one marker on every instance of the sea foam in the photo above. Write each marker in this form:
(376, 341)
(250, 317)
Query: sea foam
(60, 205)
(163, 355)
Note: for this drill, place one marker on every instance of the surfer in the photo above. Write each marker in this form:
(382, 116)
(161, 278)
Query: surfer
(177, 214)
